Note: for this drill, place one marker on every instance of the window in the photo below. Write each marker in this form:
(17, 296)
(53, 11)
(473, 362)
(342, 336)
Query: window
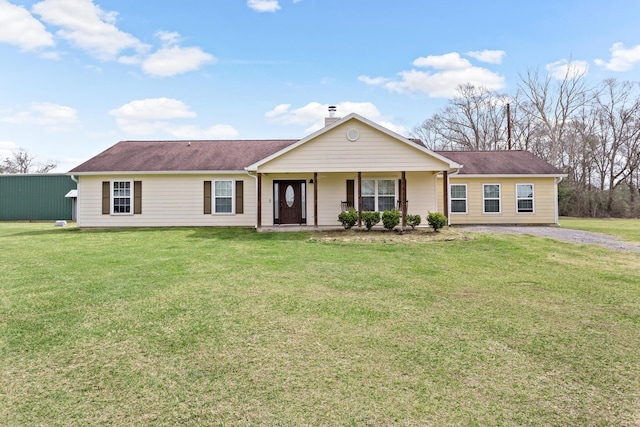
(524, 197)
(491, 198)
(223, 196)
(458, 195)
(378, 195)
(368, 195)
(386, 194)
(121, 197)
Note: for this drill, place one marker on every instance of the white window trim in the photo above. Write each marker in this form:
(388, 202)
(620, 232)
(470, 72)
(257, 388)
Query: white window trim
(233, 197)
(485, 199)
(376, 195)
(533, 198)
(466, 199)
(131, 197)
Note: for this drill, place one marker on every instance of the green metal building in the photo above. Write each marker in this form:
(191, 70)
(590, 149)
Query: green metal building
(36, 197)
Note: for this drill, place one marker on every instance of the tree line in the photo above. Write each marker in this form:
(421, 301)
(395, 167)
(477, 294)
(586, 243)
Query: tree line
(590, 132)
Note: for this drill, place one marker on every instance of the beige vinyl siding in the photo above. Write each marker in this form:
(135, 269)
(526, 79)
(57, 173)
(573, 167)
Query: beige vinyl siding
(374, 151)
(544, 201)
(332, 190)
(167, 200)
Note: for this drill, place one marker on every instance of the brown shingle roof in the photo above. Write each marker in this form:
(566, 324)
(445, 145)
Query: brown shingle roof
(514, 162)
(158, 156)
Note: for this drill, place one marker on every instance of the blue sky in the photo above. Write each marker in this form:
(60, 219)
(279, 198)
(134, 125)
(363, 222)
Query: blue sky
(77, 76)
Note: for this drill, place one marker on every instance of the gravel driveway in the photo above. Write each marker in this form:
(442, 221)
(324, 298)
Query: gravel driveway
(565, 234)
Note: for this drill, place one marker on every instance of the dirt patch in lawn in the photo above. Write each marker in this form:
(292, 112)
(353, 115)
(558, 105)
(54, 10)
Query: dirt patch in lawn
(382, 236)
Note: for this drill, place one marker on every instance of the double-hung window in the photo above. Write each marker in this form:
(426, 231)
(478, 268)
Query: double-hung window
(458, 194)
(491, 198)
(378, 194)
(524, 195)
(121, 197)
(223, 196)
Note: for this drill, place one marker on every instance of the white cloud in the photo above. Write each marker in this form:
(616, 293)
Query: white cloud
(454, 71)
(53, 117)
(153, 108)
(565, 69)
(489, 56)
(170, 61)
(278, 111)
(448, 61)
(19, 28)
(6, 149)
(622, 58)
(85, 25)
(263, 5)
(153, 116)
(374, 81)
(313, 114)
(169, 38)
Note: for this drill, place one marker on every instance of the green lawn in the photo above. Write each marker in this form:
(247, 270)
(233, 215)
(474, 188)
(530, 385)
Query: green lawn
(626, 229)
(194, 326)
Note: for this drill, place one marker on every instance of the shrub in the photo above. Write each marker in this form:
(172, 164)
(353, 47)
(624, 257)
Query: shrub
(348, 218)
(413, 220)
(436, 220)
(370, 219)
(390, 219)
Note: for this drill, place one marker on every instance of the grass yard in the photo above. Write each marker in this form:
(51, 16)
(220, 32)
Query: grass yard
(193, 326)
(626, 229)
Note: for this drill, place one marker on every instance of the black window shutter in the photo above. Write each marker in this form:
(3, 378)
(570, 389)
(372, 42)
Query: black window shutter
(239, 197)
(350, 193)
(207, 197)
(137, 197)
(106, 197)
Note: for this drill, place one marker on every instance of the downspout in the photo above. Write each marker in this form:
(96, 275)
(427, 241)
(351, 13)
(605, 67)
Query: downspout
(75, 204)
(557, 181)
(256, 178)
(446, 197)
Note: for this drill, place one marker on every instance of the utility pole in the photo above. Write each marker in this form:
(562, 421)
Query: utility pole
(509, 126)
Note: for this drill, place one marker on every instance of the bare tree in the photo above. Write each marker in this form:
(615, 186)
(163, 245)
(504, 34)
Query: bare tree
(551, 104)
(22, 161)
(474, 120)
(616, 135)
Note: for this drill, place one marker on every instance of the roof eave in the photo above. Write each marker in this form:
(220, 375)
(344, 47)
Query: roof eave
(521, 175)
(195, 172)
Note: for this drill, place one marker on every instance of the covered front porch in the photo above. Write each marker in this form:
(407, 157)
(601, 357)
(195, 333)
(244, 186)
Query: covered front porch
(286, 200)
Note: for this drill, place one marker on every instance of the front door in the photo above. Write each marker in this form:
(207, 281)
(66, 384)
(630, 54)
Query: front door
(289, 207)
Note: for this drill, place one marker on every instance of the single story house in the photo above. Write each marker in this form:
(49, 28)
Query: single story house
(351, 162)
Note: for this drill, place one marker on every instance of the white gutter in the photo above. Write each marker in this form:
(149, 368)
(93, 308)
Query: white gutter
(257, 213)
(558, 180)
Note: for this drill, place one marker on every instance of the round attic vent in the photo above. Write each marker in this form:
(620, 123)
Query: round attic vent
(353, 134)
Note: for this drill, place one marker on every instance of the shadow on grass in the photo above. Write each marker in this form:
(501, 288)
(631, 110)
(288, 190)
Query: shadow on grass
(244, 234)
(213, 233)
(52, 231)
